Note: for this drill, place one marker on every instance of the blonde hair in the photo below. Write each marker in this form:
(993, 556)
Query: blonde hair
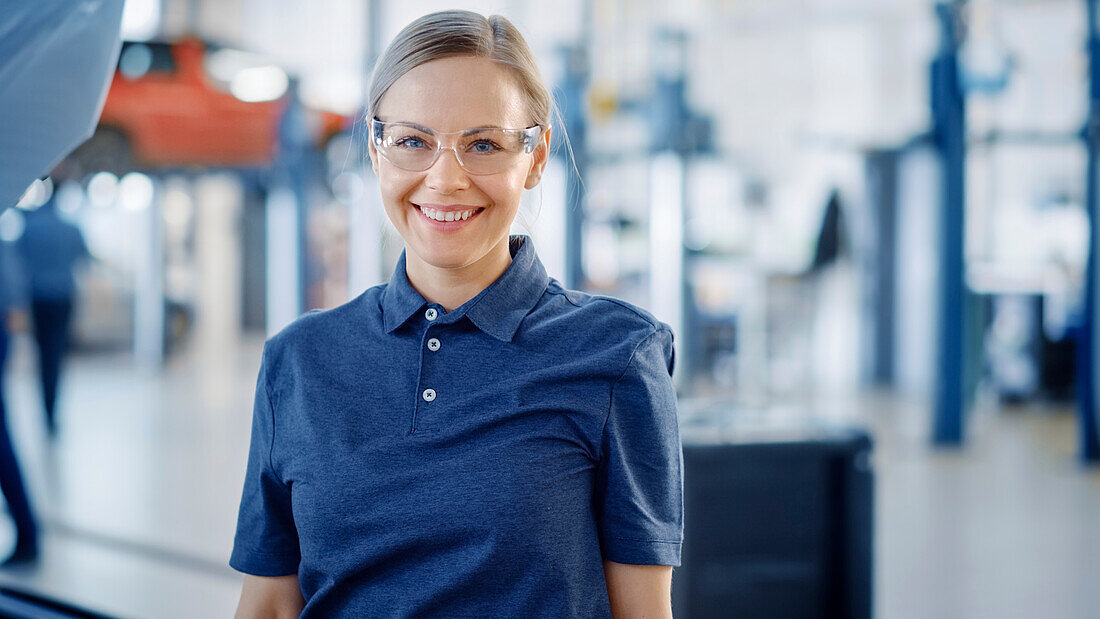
(462, 33)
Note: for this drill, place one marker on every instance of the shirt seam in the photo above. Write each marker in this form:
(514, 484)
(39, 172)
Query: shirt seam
(271, 410)
(564, 292)
(633, 309)
(611, 394)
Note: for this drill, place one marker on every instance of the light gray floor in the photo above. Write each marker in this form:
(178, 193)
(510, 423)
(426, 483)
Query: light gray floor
(1008, 527)
(139, 496)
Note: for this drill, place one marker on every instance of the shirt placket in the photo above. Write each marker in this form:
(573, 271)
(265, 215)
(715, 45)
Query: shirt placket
(429, 385)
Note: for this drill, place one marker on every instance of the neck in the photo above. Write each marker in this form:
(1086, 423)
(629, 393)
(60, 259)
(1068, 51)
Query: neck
(451, 287)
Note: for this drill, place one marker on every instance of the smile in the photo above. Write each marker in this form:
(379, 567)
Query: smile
(447, 219)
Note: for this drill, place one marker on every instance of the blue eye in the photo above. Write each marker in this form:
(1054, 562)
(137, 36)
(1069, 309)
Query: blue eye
(410, 142)
(484, 147)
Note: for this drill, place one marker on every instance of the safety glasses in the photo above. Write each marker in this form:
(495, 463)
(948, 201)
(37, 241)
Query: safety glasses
(483, 150)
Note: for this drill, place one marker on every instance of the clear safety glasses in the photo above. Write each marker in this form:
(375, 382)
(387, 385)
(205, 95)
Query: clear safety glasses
(486, 150)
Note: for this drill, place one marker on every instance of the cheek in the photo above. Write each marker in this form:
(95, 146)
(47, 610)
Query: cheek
(506, 190)
(394, 188)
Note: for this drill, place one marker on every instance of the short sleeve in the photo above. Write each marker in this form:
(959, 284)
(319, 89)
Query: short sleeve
(266, 542)
(639, 484)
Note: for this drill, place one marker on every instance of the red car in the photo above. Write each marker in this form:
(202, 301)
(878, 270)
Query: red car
(164, 108)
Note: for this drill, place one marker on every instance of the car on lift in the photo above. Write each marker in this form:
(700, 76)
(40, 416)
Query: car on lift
(191, 103)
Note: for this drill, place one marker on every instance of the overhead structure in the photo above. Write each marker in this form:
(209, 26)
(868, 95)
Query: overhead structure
(571, 101)
(949, 136)
(1087, 362)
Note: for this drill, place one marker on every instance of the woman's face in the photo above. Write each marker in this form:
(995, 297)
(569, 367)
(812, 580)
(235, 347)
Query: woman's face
(447, 95)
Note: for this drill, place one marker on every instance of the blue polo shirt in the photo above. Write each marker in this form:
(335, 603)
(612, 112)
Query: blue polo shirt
(480, 462)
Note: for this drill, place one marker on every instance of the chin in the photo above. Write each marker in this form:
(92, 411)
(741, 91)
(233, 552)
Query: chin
(446, 255)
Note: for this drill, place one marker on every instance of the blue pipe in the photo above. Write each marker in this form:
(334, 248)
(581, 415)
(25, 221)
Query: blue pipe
(571, 102)
(949, 130)
(1086, 343)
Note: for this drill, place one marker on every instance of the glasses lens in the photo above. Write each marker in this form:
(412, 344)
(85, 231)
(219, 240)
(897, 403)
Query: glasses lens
(406, 147)
(489, 151)
(484, 151)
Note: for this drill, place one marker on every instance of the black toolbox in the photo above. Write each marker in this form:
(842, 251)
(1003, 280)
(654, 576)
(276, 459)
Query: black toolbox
(778, 519)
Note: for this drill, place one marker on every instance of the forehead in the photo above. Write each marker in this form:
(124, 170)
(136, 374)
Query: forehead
(451, 94)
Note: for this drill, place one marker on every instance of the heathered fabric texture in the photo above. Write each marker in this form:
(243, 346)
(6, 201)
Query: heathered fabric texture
(551, 444)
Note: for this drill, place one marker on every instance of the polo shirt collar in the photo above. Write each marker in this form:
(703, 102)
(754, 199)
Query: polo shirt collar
(400, 300)
(497, 310)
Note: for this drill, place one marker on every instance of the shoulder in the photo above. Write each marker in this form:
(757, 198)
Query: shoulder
(607, 308)
(608, 320)
(324, 330)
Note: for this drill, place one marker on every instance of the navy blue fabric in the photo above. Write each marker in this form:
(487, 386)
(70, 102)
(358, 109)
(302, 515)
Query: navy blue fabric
(13, 284)
(551, 444)
(49, 248)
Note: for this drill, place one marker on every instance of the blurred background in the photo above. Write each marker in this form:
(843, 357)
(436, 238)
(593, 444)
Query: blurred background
(867, 222)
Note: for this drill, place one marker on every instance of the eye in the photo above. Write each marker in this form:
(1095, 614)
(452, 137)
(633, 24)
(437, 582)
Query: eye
(484, 147)
(410, 142)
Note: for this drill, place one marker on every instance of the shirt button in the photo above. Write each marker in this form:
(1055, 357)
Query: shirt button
(431, 314)
(429, 395)
(433, 344)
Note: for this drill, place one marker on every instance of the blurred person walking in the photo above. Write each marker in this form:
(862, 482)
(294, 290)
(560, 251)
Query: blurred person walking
(12, 295)
(50, 247)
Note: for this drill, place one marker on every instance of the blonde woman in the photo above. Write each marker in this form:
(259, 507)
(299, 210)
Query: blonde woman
(470, 439)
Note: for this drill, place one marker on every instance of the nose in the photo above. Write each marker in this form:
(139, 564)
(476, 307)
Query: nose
(446, 175)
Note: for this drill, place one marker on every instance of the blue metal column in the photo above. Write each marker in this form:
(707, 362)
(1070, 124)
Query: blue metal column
(949, 133)
(293, 169)
(670, 116)
(1087, 336)
(571, 103)
(687, 133)
(880, 264)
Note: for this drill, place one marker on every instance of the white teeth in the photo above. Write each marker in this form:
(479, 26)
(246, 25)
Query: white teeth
(447, 216)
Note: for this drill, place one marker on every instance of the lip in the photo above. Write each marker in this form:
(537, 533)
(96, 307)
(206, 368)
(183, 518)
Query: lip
(447, 226)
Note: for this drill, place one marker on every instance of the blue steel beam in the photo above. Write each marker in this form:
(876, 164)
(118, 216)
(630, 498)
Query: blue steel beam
(1087, 336)
(949, 130)
(292, 170)
(881, 168)
(571, 103)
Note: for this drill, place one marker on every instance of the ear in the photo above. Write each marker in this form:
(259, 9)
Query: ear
(541, 156)
(373, 153)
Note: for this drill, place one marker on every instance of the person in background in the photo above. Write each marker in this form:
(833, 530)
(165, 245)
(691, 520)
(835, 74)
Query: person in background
(49, 249)
(12, 296)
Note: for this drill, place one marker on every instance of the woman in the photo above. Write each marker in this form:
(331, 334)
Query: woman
(470, 439)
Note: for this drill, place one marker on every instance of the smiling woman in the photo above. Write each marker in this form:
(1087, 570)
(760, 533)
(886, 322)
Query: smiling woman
(471, 438)
(454, 96)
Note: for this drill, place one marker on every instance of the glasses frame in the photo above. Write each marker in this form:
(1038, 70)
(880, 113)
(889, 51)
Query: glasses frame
(530, 142)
